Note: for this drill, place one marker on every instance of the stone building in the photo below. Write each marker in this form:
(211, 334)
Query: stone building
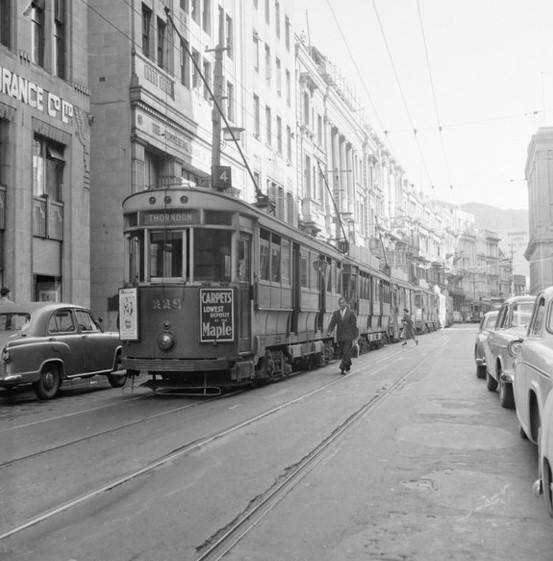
(152, 79)
(44, 150)
(539, 176)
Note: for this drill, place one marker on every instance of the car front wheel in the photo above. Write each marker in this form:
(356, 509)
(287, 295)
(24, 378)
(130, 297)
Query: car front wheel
(48, 385)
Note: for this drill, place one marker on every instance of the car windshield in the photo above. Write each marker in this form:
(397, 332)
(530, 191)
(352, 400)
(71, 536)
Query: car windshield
(521, 314)
(14, 321)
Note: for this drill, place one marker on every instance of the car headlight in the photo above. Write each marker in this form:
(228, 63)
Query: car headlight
(165, 341)
(6, 354)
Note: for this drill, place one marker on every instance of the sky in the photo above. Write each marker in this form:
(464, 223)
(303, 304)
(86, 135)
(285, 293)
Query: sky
(473, 78)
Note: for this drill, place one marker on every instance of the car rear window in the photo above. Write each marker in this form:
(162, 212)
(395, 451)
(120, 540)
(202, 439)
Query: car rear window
(14, 321)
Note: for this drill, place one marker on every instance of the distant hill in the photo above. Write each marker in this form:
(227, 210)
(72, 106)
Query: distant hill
(497, 219)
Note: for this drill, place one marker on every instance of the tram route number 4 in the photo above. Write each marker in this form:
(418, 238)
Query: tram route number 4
(222, 177)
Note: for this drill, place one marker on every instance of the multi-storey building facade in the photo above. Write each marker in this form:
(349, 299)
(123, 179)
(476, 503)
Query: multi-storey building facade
(539, 176)
(44, 150)
(153, 79)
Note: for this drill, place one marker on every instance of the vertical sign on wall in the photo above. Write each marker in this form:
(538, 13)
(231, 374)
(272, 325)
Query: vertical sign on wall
(128, 314)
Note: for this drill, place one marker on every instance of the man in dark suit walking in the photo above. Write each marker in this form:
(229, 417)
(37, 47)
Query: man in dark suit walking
(345, 322)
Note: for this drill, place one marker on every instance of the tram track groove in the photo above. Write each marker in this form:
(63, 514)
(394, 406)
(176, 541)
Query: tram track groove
(185, 449)
(258, 508)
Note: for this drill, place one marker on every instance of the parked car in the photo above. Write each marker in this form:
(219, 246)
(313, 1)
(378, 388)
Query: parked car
(534, 366)
(543, 485)
(512, 322)
(44, 344)
(486, 326)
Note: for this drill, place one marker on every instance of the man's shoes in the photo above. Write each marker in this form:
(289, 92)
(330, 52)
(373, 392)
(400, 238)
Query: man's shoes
(404, 343)
(342, 371)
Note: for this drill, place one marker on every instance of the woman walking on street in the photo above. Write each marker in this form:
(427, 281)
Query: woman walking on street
(408, 329)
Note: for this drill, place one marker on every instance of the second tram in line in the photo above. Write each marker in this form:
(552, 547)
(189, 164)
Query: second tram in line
(220, 293)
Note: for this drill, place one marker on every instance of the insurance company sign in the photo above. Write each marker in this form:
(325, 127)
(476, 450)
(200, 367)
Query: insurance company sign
(29, 93)
(216, 315)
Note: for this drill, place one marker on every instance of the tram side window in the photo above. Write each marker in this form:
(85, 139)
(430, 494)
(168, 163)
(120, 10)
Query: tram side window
(244, 259)
(136, 261)
(264, 255)
(330, 267)
(166, 254)
(275, 258)
(314, 260)
(212, 255)
(286, 262)
(304, 268)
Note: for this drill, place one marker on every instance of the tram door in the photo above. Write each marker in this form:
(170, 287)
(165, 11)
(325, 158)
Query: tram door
(244, 313)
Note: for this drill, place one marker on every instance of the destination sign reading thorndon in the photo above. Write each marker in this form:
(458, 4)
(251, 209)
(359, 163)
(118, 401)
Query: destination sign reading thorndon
(216, 315)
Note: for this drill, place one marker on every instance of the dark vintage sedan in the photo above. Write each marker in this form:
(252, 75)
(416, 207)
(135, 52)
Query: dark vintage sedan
(44, 344)
(486, 326)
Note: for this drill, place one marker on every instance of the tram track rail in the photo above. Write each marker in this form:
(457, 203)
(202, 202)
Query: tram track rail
(192, 446)
(226, 540)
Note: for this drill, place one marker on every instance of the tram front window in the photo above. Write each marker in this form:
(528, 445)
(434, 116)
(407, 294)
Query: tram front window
(212, 256)
(166, 254)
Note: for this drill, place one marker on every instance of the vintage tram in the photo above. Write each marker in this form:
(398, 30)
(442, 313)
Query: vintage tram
(220, 293)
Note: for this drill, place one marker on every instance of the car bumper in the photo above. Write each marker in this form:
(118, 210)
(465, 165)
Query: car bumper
(481, 361)
(10, 379)
(507, 376)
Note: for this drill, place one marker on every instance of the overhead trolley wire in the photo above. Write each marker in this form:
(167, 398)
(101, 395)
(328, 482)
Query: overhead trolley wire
(402, 94)
(434, 97)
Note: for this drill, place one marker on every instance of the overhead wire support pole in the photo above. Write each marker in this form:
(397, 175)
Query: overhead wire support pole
(262, 199)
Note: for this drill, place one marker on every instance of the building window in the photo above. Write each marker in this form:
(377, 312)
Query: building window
(267, 62)
(195, 11)
(161, 43)
(48, 165)
(230, 37)
(230, 101)
(268, 11)
(206, 16)
(195, 74)
(37, 33)
(256, 116)
(256, 51)
(319, 130)
(288, 87)
(207, 77)
(306, 109)
(278, 77)
(184, 5)
(289, 144)
(146, 30)
(307, 177)
(184, 63)
(5, 22)
(221, 26)
(268, 132)
(287, 32)
(60, 38)
(255, 4)
(277, 18)
(279, 134)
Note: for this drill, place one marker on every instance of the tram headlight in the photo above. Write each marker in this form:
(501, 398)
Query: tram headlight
(165, 341)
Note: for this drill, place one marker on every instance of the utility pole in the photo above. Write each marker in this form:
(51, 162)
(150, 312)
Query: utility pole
(215, 112)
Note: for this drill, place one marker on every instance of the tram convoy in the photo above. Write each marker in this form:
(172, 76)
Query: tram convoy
(219, 293)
